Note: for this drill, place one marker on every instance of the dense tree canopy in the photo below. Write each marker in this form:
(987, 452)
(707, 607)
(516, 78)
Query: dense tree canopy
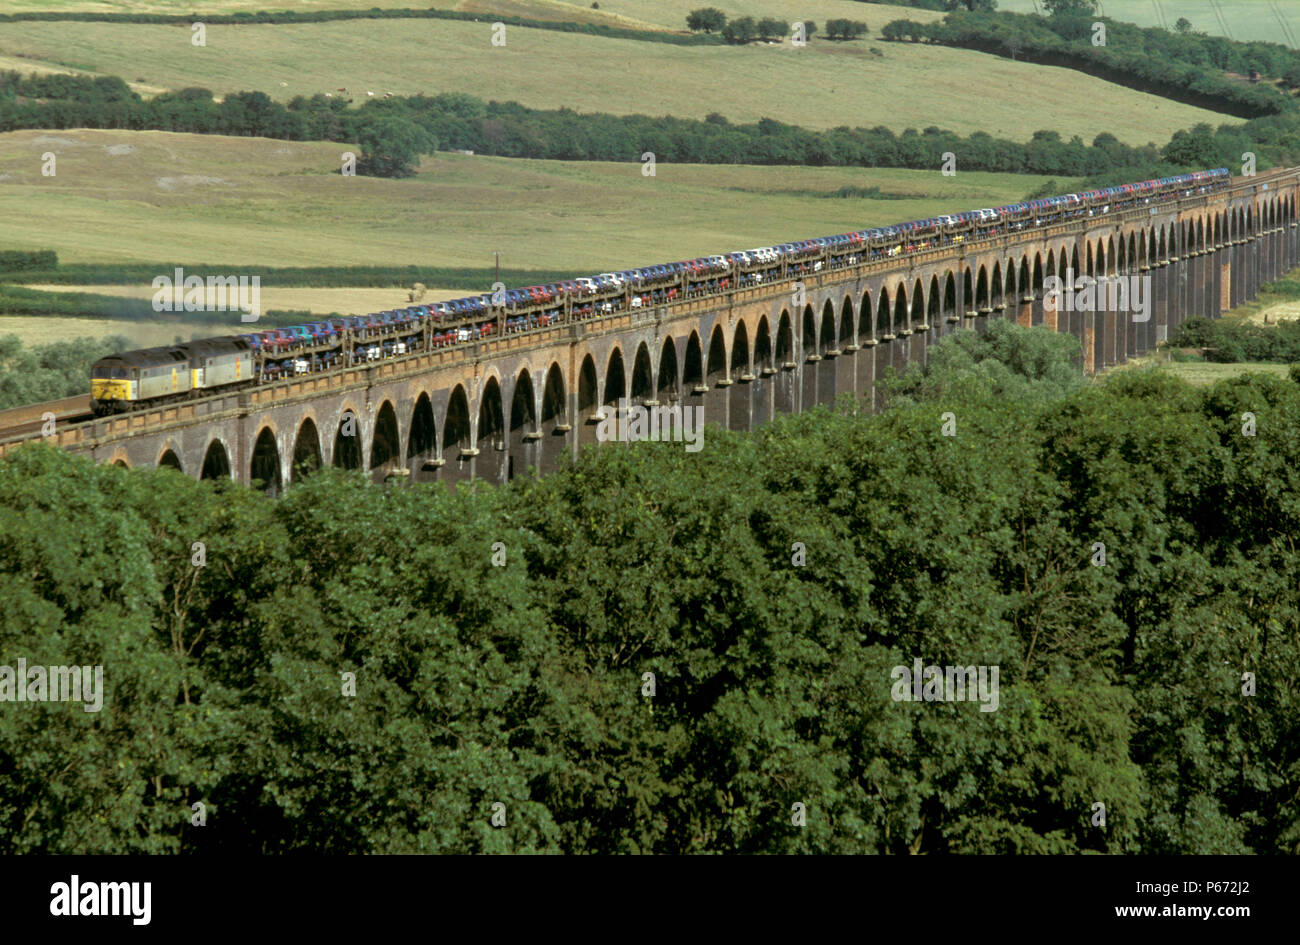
(392, 145)
(706, 20)
(51, 371)
(522, 681)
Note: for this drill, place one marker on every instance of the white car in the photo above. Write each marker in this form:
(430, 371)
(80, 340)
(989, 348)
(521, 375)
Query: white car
(462, 334)
(301, 366)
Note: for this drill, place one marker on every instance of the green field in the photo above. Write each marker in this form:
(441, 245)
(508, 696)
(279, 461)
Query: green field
(1267, 20)
(824, 85)
(156, 197)
(669, 14)
(1205, 373)
(1274, 21)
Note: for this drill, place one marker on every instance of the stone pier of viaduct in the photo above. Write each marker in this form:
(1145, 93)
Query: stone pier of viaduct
(495, 409)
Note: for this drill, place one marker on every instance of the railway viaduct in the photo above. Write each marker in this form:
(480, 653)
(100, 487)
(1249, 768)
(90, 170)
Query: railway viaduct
(493, 409)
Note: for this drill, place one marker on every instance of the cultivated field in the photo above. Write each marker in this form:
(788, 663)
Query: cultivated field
(1205, 373)
(350, 301)
(1277, 312)
(39, 330)
(165, 198)
(823, 85)
(1199, 373)
(47, 330)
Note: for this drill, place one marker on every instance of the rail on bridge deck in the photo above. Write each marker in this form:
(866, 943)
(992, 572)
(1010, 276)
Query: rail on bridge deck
(497, 407)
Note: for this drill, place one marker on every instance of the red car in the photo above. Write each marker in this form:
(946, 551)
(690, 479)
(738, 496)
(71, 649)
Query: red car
(277, 340)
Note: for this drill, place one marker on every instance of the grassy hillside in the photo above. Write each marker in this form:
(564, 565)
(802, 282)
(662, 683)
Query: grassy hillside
(670, 14)
(1268, 20)
(821, 86)
(1276, 21)
(154, 196)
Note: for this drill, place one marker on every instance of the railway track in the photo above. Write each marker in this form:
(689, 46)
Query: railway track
(28, 420)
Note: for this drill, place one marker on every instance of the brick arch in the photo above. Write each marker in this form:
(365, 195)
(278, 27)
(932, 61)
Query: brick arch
(764, 346)
(556, 425)
(216, 462)
(884, 316)
(668, 383)
(739, 350)
(169, 446)
(265, 459)
(307, 452)
(348, 452)
(491, 372)
(521, 425)
(386, 444)
(489, 422)
(715, 376)
(740, 376)
(807, 334)
(785, 355)
(902, 309)
(826, 328)
(933, 307)
(614, 384)
(587, 387)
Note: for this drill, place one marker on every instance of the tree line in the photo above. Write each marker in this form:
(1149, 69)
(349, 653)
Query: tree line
(1185, 67)
(281, 17)
(745, 29)
(667, 652)
(398, 130)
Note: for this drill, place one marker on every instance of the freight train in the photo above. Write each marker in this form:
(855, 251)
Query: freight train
(181, 371)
